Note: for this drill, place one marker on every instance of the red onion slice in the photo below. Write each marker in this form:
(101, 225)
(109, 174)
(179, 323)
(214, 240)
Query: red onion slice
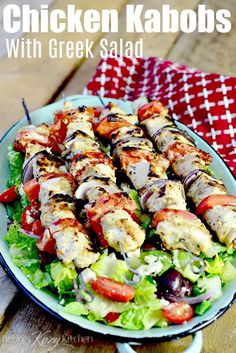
(27, 173)
(192, 176)
(30, 234)
(147, 193)
(189, 300)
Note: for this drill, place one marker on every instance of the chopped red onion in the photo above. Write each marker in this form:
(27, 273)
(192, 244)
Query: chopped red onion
(191, 177)
(189, 300)
(30, 234)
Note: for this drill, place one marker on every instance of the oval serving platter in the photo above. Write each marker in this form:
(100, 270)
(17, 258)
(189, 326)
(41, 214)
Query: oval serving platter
(46, 300)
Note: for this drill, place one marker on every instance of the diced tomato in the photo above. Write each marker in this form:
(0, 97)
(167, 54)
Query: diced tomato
(112, 316)
(112, 289)
(151, 108)
(37, 227)
(98, 111)
(47, 243)
(59, 130)
(28, 217)
(214, 200)
(18, 147)
(178, 312)
(31, 189)
(109, 124)
(9, 195)
(178, 150)
(133, 156)
(166, 214)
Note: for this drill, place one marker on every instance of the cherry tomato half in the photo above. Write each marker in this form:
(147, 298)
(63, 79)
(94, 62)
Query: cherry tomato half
(178, 312)
(112, 289)
(9, 195)
(31, 188)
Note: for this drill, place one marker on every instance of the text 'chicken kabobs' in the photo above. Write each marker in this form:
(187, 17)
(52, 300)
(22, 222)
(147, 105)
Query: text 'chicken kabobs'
(191, 165)
(146, 170)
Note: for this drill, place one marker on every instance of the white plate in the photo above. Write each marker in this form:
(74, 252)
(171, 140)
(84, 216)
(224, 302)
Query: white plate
(45, 299)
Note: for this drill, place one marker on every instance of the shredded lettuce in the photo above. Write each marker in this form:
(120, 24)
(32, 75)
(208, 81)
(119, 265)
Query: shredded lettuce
(15, 161)
(23, 252)
(145, 291)
(211, 284)
(214, 266)
(110, 266)
(215, 249)
(142, 317)
(62, 276)
(201, 308)
(228, 272)
(75, 308)
(181, 261)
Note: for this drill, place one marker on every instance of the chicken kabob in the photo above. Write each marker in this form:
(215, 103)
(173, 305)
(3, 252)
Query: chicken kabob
(50, 190)
(110, 213)
(190, 163)
(176, 227)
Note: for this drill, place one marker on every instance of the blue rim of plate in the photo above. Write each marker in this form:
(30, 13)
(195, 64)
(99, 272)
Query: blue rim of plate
(108, 336)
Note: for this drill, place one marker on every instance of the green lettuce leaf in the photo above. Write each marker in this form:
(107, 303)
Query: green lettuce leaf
(15, 161)
(145, 291)
(228, 272)
(214, 266)
(111, 267)
(181, 260)
(23, 252)
(142, 317)
(62, 276)
(76, 308)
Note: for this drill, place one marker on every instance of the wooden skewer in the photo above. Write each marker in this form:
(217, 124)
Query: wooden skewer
(26, 112)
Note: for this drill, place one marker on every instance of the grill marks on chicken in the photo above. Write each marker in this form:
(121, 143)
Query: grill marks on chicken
(188, 163)
(146, 170)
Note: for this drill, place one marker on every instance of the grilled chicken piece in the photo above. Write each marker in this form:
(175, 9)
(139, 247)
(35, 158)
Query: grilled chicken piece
(185, 159)
(174, 226)
(31, 149)
(222, 220)
(72, 243)
(163, 194)
(140, 165)
(170, 135)
(99, 170)
(75, 119)
(52, 184)
(119, 227)
(79, 142)
(93, 188)
(37, 134)
(134, 142)
(125, 133)
(81, 162)
(204, 185)
(58, 206)
(111, 108)
(111, 123)
(155, 123)
(46, 163)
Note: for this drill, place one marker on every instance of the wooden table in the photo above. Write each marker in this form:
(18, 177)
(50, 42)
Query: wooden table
(24, 327)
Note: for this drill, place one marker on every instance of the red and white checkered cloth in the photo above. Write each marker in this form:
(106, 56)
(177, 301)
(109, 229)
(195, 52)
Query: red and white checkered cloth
(204, 102)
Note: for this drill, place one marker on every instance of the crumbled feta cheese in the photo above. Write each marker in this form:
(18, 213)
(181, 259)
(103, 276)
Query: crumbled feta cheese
(150, 269)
